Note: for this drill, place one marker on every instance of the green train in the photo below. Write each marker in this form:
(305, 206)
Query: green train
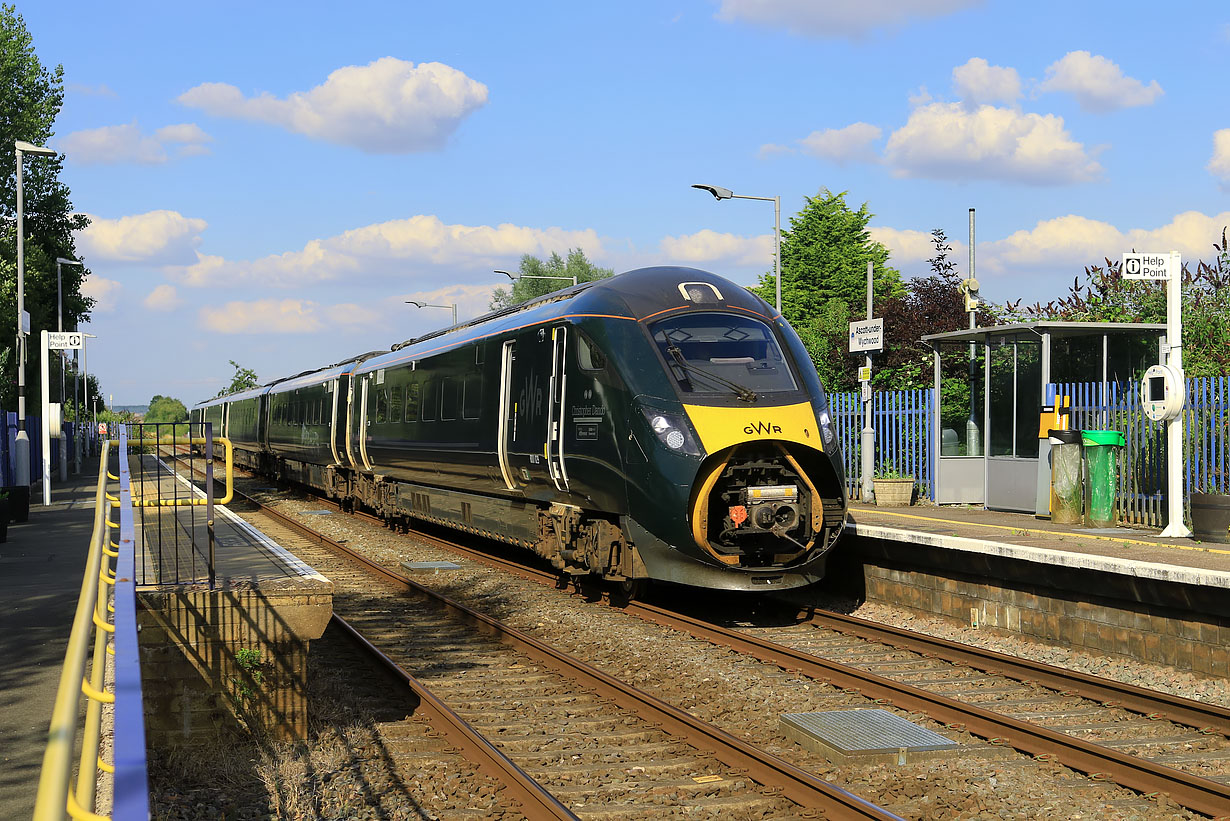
(663, 424)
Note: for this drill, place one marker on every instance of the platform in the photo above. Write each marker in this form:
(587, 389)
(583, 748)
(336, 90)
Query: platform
(1124, 550)
(41, 569)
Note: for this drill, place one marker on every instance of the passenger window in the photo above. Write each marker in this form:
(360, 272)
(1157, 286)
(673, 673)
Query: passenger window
(448, 394)
(382, 407)
(471, 402)
(431, 401)
(588, 355)
(412, 401)
(395, 404)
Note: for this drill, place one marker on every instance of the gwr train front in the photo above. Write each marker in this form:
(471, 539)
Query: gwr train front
(744, 443)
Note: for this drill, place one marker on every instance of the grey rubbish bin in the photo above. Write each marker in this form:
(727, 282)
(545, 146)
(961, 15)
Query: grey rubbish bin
(1067, 490)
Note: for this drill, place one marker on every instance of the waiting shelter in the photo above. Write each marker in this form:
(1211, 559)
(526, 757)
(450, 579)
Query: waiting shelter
(992, 384)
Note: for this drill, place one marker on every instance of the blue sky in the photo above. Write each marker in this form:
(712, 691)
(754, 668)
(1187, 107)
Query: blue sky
(269, 182)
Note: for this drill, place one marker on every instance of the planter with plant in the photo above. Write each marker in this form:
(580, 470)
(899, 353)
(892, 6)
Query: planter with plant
(893, 488)
(1211, 516)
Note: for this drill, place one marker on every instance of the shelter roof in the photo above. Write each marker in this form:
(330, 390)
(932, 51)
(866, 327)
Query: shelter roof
(1055, 329)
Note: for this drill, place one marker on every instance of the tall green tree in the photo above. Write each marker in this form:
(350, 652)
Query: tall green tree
(241, 380)
(166, 409)
(30, 99)
(825, 253)
(576, 264)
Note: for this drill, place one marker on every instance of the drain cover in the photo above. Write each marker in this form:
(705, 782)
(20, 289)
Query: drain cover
(429, 567)
(875, 734)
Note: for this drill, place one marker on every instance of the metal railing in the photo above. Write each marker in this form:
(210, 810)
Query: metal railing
(115, 638)
(173, 547)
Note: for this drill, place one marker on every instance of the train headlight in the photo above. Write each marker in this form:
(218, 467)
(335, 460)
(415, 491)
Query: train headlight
(672, 430)
(826, 427)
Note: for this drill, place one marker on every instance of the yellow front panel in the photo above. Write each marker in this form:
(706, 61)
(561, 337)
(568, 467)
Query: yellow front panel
(722, 427)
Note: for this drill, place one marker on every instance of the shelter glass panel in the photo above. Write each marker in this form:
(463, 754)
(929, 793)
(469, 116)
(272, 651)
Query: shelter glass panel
(961, 399)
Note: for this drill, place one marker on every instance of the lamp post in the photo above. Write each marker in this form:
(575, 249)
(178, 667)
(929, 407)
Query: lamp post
(429, 305)
(63, 358)
(515, 277)
(720, 193)
(85, 392)
(21, 448)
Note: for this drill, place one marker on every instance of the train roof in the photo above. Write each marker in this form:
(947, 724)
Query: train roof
(636, 295)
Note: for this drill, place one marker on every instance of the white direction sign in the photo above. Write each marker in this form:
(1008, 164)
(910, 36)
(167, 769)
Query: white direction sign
(867, 335)
(1149, 266)
(66, 340)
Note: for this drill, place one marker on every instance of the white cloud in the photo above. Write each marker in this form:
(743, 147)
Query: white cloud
(1219, 165)
(387, 247)
(389, 106)
(835, 18)
(1076, 240)
(842, 145)
(1097, 83)
(978, 82)
(163, 298)
(114, 144)
(910, 249)
(707, 246)
(100, 90)
(263, 316)
(106, 292)
(152, 238)
(947, 141)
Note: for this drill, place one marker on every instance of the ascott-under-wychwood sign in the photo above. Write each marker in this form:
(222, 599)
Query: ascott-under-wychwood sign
(867, 336)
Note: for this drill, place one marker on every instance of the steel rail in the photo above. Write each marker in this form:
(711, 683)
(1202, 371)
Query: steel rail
(1200, 715)
(793, 783)
(536, 802)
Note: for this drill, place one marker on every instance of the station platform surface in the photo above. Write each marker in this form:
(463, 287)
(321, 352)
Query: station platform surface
(41, 569)
(1128, 550)
(174, 541)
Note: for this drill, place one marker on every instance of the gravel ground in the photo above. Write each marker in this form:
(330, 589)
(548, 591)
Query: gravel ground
(746, 697)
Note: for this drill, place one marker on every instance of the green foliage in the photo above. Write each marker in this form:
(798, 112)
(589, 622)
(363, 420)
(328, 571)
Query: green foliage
(30, 100)
(890, 472)
(252, 668)
(1106, 296)
(825, 253)
(241, 380)
(575, 265)
(166, 409)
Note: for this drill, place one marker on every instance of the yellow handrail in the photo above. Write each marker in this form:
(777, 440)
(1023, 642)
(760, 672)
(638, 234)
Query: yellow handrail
(196, 502)
(54, 781)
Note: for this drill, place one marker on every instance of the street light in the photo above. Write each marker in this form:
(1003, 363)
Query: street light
(429, 305)
(515, 277)
(60, 313)
(85, 388)
(720, 193)
(21, 447)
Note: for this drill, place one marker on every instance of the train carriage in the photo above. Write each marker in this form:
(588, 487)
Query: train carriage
(662, 424)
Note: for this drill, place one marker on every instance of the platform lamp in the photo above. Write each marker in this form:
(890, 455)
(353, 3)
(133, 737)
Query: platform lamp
(60, 327)
(515, 277)
(21, 447)
(429, 305)
(720, 193)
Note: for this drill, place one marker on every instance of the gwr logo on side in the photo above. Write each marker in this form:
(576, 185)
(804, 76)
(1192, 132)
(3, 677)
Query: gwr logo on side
(763, 428)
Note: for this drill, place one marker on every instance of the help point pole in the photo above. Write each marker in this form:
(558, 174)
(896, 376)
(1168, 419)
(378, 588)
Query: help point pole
(1175, 528)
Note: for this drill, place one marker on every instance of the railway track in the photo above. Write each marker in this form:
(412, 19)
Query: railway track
(573, 741)
(1149, 742)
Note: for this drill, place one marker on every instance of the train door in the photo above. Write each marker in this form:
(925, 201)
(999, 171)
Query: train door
(555, 408)
(524, 388)
(364, 422)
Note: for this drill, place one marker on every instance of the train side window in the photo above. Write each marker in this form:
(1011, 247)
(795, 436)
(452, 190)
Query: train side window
(588, 355)
(471, 402)
(412, 401)
(395, 405)
(449, 389)
(431, 401)
(382, 407)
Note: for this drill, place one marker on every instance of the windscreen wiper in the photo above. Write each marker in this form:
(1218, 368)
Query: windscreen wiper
(744, 393)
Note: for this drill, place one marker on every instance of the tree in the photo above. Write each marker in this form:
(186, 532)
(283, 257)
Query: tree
(576, 265)
(242, 379)
(824, 279)
(166, 409)
(30, 100)
(1106, 296)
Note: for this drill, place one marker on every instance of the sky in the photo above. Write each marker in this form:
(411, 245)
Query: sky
(270, 182)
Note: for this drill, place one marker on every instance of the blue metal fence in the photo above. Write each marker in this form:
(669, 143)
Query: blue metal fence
(902, 421)
(1142, 471)
(34, 430)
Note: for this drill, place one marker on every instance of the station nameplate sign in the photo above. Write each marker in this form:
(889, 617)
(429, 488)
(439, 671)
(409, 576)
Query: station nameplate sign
(867, 336)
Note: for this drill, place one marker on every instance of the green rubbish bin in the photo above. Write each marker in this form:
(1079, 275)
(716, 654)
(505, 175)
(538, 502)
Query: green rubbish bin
(1101, 451)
